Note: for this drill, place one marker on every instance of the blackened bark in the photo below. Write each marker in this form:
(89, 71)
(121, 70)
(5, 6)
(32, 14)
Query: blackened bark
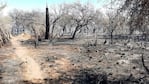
(75, 32)
(111, 36)
(47, 24)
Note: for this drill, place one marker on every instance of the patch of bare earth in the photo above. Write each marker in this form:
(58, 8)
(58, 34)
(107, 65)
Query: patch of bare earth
(70, 64)
(9, 66)
(31, 69)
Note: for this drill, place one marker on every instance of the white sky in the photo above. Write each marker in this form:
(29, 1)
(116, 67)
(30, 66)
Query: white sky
(40, 4)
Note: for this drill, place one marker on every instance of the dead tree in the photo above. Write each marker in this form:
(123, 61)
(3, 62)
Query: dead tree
(82, 15)
(137, 13)
(47, 24)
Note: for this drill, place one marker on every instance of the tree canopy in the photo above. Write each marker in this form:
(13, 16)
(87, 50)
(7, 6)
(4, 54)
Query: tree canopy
(138, 14)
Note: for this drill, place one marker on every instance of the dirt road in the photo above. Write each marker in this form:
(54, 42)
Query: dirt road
(32, 70)
(27, 65)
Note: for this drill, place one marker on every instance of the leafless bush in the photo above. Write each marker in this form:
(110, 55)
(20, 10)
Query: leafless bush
(4, 28)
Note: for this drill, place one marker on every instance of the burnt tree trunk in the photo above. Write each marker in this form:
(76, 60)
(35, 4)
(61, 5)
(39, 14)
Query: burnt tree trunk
(47, 24)
(53, 26)
(111, 37)
(75, 32)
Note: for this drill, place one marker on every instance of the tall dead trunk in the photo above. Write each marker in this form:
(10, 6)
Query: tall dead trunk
(47, 24)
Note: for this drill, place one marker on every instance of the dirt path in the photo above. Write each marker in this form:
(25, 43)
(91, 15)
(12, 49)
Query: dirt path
(32, 71)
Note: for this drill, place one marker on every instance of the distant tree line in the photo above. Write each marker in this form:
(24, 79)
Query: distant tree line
(79, 20)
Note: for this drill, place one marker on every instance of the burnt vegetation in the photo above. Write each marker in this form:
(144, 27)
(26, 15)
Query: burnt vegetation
(4, 31)
(110, 47)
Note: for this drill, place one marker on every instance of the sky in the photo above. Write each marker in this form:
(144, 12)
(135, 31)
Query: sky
(40, 4)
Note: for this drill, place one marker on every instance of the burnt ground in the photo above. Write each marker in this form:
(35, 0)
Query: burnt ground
(73, 62)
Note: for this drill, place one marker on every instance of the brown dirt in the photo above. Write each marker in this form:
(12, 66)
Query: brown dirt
(59, 64)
